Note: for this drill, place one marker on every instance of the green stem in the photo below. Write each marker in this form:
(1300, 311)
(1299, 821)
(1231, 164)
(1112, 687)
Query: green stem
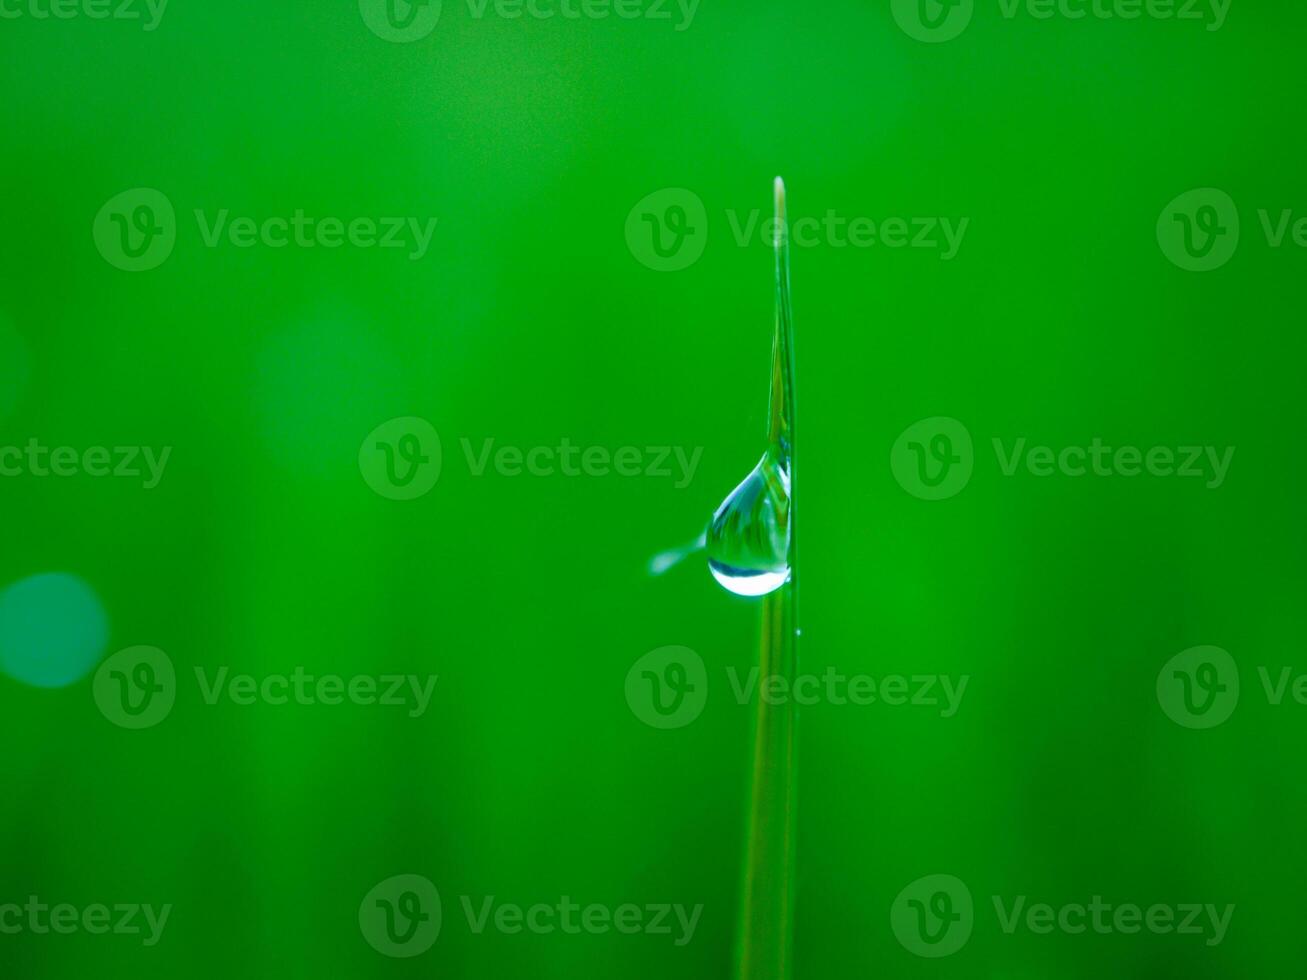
(767, 912)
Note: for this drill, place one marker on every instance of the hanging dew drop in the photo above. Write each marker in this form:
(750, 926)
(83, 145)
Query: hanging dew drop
(749, 537)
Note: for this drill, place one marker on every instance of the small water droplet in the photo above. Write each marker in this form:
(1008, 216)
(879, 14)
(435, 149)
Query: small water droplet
(749, 537)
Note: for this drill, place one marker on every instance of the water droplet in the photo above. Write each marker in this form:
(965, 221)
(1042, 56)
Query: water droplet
(749, 537)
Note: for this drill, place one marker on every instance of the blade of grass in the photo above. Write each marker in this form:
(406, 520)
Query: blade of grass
(765, 949)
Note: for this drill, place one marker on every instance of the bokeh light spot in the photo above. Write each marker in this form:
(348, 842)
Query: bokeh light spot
(53, 630)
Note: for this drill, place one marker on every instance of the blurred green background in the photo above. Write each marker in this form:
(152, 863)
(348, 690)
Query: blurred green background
(535, 317)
